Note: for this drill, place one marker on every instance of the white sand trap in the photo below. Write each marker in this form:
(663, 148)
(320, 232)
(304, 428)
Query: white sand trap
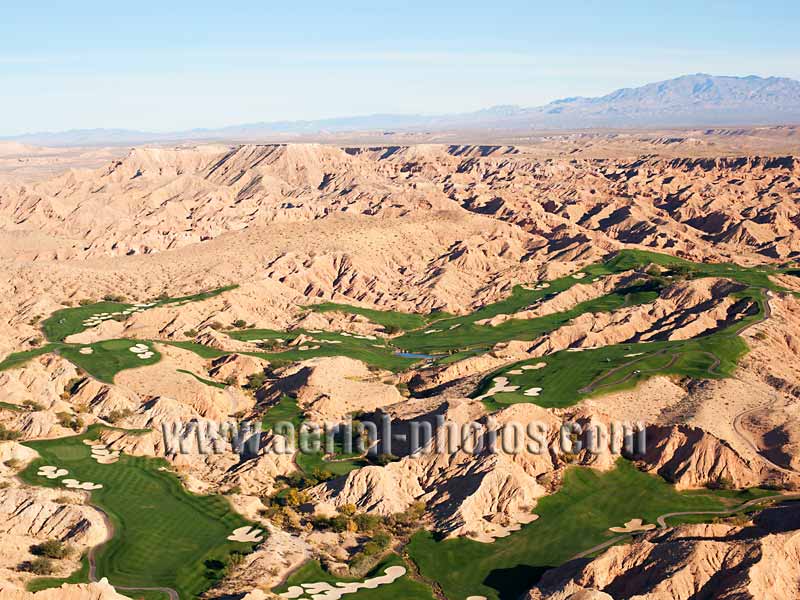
(303, 348)
(575, 349)
(51, 472)
(325, 591)
(534, 391)
(500, 386)
(431, 331)
(516, 372)
(633, 526)
(477, 598)
(280, 340)
(246, 535)
(456, 325)
(106, 460)
(377, 346)
(85, 351)
(542, 286)
(87, 486)
(579, 275)
(634, 354)
(255, 341)
(334, 342)
(314, 347)
(146, 355)
(536, 367)
(345, 334)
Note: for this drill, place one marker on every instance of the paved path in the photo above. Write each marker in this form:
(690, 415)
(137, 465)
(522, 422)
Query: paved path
(662, 523)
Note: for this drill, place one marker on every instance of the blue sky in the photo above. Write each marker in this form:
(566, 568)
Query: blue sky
(177, 65)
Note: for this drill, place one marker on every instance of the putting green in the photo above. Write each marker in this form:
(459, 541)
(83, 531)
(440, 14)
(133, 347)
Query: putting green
(163, 535)
(572, 520)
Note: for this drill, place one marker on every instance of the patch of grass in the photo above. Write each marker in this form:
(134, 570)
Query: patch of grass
(209, 382)
(391, 319)
(163, 534)
(108, 357)
(404, 588)
(287, 411)
(17, 359)
(202, 351)
(81, 575)
(575, 518)
(68, 321)
(376, 352)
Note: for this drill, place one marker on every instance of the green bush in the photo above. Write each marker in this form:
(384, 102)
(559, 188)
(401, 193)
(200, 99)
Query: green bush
(52, 548)
(39, 566)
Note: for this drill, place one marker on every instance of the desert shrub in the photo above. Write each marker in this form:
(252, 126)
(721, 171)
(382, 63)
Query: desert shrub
(13, 463)
(118, 415)
(85, 301)
(37, 341)
(190, 333)
(52, 548)
(239, 323)
(33, 405)
(8, 434)
(39, 566)
(114, 298)
(256, 380)
(69, 421)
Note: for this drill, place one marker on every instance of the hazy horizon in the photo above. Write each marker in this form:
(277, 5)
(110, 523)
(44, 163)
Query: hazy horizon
(196, 65)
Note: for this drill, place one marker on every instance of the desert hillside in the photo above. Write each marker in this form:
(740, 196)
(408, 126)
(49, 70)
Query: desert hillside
(502, 288)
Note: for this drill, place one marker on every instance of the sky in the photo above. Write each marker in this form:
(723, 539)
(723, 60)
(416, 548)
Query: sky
(171, 66)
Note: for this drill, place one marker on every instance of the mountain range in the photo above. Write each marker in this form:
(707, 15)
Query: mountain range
(689, 100)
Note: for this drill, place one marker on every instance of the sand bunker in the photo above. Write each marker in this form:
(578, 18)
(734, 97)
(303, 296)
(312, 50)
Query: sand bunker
(143, 351)
(81, 485)
(536, 367)
(534, 391)
(85, 351)
(633, 526)
(246, 535)
(477, 598)
(431, 331)
(500, 386)
(516, 372)
(634, 354)
(579, 275)
(51, 472)
(325, 591)
(102, 455)
(454, 326)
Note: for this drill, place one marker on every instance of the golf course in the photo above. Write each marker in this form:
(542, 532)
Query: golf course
(163, 536)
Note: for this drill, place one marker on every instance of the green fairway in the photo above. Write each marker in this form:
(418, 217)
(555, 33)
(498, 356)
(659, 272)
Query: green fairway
(163, 535)
(371, 350)
(387, 318)
(209, 382)
(68, 321)
(463, 333)
(17, 359)
(572, 520)
(287, 411)
(404, 588)
(568, 377)
(108, 357)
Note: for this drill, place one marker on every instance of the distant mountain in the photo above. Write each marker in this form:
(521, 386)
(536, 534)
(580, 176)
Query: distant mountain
(690, 100)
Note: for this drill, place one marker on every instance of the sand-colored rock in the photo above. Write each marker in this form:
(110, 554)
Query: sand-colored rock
(330, 388)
